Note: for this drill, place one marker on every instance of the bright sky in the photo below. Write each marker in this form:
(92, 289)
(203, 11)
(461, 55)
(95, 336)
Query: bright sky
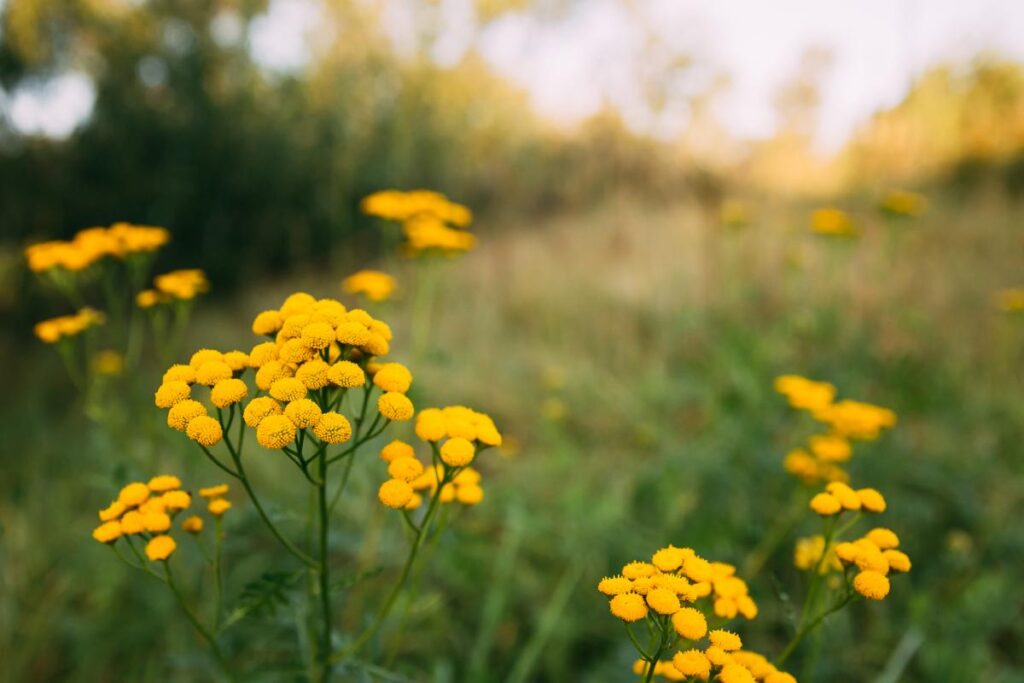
(570, 64)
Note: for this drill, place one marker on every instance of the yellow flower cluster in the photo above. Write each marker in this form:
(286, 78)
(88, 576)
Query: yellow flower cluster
(92, 244)
(832, 221)
(456, 435)
(668, 592)
(873, 555)
(808, 553)
(374, 284)
(904, 203)
(1010, 300)
(182, 285)
(845, 420)
(53, 330)
(430, 221)
(148, 511)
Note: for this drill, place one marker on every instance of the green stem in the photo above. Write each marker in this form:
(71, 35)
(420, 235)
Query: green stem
(217, 572)
(802, 633)
(325, 590)
(211, 641)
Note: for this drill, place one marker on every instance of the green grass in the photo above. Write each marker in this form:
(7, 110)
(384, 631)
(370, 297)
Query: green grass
(658, 334)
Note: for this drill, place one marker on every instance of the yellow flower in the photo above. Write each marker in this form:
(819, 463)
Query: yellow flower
(333, 428)
(898, 562)
(347, 374)
(180, 373)
(726, 640)
(132, 523)
(318, 335)
(176, 500)
(393, 377)
(193, 524)
(108, 532)
(830, 448)
(164, 482)
(430, 425)
(288, 389)
(315, 374)
(184, 412)
(779, 677)
(1010, 300)
(885, 539)
(156, 522)
(133, 494)
(825, 504)
(469, 495)
(846, 496)
(871, 584)
(211, 372)
(275, 431)
(395, 450)
(903, 203)
(669, 559)
(690, 623)
(160, 547)
(112, 511)
(395, 406)
(261, 354)
(236, 360)
(628, 606)
(182, 284)
(218, 491)
(871, 500)
(614, 585)
(204, 430)
(406, 469)
(352, 333)
(374, 284)
(692, 663)
(303, 412)
(663, 601)
(267, 323)
(108, 362)
(228, 392)
(697, 568)
(170, 393)
(395, 493)
(831, 221)
(203, 356)
(735, 673)
(218, 506)
(270, 372)
(259, 408)
(457, 452)
(637, 570)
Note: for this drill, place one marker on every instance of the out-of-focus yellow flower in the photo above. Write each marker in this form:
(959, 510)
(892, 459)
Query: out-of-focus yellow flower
(93, 244)
(904, 203)
(376, 285)
(430, 221)
(108, 362)
(181, 284)
(160, 548)
(808, 555)
(734, 213)
(832, 221)
(55, 329)
(1010, 300)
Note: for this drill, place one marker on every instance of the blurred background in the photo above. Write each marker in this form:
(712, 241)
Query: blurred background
(643, 175)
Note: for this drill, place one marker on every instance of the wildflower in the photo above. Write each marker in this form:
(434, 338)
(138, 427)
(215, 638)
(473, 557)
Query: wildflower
(112, 511)
(182, 284)
(663, 601)
(614, 585)
(395, 406)
(898, 561)
(303, 412)
(726, 640)
(108, 363)
(211, 372)
(236, 360)
(1010, 300)
(133, 494)
(132, 523)
(668, 559)
(871, 500)
(831, 221)
(830, 448)
(288, 389)
(333, 428)
(218, 506)
(261, 354)
(406, 469)
(170, 393)
(690, 623)
(176, 500)
(204, 430)
(636, 570)
(180, 373)
(846, 496)
(457, 452)
(393, 377)
(430, 425)
(628, 606)
(227, 392)
(275, 431)
(193, 524)
(346, 374)
(164, 482)
(218, 491)
(903, 203)
(885, 539)
(395, 493)
(396, 449)
(871, 584)
(735, 673)
(692, 663)
(374, 284)
(469, 495)
(779, 677)
(156, 522)
(160, 547)
(203, 356)
(108, 532)
(825, 504)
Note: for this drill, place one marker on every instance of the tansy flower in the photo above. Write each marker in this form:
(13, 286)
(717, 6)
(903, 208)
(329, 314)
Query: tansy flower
(636, 570)
(133, 494)
(872, 585)
(288, 389)
(406, 469)
(726, 640)
(176, 500)
(779, 677)
(668, 559)
(275, 431)
(160, 548)
(218, 506)
(193, 524)
(270, 372)
(692, 663)
(717, 656)
(108, 532)
(236, 360)
(697, 568)
(180, 373)
(457, 452)
(211, 372)
(430, 425)
(314, 374)
(395, 450)
(374, 284)
(228, 392)
(885, 539)
(393, 377)
(690, 623)
(663, 601)
(825, 504)
(261, 354)
(395, 406)
(395, 493)
(345, 373)
(735, 673)
(898, 561)
(204, 430)
(352, 333)
(259, 408)
(303, 412)
(164, 482)
(614, 585)
(217, 491)
(184, 412)
(628, 606)
(156, 522)
(333, 428)
(871, 500)
(131, 523)
(170, 393)
(846, 496)
(469, 495)
(112, 511)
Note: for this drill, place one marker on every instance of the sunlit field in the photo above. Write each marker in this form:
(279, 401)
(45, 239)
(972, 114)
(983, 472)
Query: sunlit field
(367, 372)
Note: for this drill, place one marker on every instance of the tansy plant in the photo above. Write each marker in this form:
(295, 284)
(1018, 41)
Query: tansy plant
(314, 393)
(111, 264)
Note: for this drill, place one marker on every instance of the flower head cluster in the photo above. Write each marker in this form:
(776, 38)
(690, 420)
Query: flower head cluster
(832, 221)
(374, 284)
(93, 244)
(181, 285)
(808, 553)
(456, 435)
(845, 421)
(147, 511)
(430, 221)
(55, 329)
(903, 203)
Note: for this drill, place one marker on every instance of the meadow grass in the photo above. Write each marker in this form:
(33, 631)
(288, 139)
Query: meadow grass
(627, 352)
